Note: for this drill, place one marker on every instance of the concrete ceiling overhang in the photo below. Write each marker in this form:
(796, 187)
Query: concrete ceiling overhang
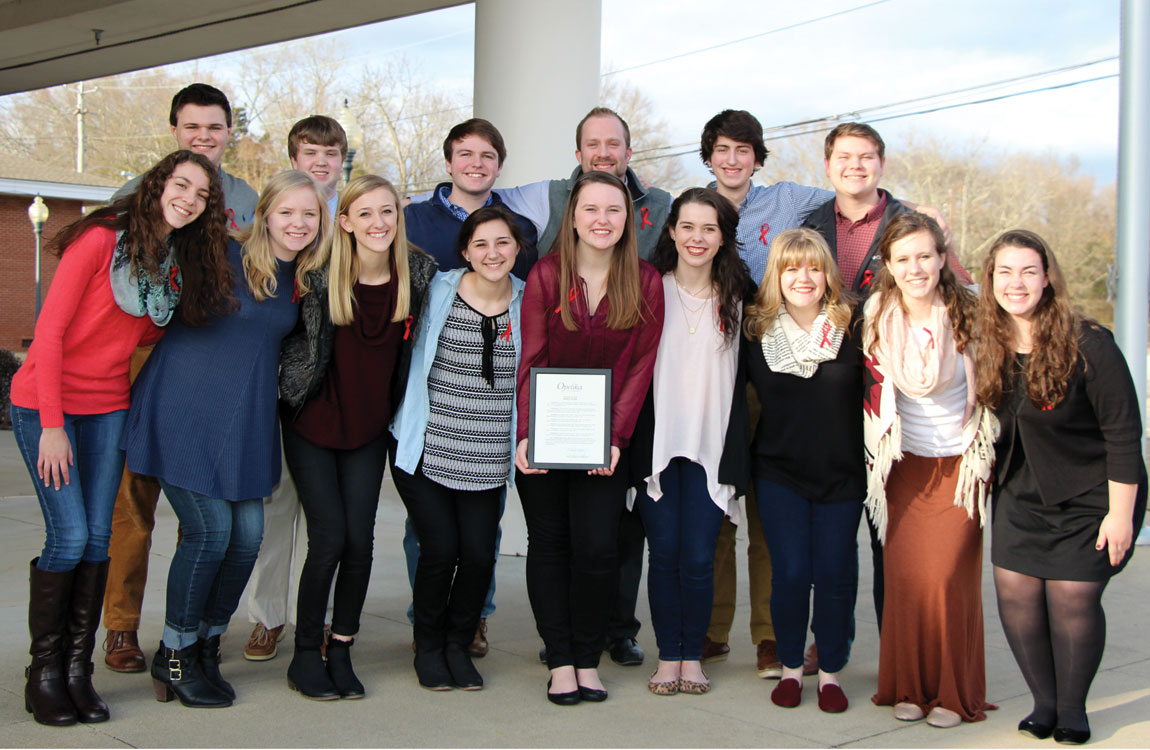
(50, 42)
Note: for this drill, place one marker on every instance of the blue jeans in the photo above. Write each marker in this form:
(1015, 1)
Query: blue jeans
(811, 544)
(682, 528)
(212, 564)
(78, 516)
(411, 553)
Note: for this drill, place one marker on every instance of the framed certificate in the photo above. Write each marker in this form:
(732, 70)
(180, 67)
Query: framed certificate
(570, 419)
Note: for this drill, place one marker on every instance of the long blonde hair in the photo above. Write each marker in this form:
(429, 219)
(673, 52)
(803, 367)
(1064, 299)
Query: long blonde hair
(344, 269)
(796, 247)
(624, 294)
(259, 259)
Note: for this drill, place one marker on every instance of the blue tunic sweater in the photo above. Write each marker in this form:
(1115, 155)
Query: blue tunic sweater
(203, 414)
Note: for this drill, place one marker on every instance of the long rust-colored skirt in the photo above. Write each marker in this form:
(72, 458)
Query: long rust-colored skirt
(931, 652)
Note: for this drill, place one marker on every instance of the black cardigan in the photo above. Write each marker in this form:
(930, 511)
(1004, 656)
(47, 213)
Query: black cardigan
(1093, 435)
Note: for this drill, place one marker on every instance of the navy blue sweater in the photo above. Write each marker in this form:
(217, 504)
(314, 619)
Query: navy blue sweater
(434, 229)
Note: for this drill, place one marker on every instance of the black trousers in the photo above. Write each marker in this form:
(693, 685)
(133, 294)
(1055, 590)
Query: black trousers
(339, 491)
(572, 559)
(456, 530)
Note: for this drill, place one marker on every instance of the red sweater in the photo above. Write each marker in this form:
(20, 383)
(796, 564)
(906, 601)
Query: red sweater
(629, 353)
(78, 361)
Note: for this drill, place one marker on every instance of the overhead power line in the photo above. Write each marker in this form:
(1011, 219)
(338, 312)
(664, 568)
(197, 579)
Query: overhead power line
(747, 38)
(834, 118)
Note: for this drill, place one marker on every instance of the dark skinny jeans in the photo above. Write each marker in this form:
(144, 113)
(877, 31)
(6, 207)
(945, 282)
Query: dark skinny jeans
(339, 491)
(572, 558)
(457, 531)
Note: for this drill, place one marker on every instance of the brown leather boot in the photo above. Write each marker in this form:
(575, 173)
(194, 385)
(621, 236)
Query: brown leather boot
(122, 652)
(45, 693)
(87, 602)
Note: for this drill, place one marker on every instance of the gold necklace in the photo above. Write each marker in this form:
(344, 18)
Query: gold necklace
(698, 311)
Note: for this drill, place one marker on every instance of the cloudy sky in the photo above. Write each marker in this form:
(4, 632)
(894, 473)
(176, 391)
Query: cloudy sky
(788, 62)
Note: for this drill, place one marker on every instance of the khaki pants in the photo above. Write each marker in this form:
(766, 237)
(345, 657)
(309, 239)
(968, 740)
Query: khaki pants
(758, 566)
(132, 522)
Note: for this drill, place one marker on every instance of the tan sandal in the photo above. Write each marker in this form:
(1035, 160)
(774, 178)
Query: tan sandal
(663, 688)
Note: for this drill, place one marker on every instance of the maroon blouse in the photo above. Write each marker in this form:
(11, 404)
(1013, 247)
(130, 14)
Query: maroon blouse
(629, 353)
(353, 405)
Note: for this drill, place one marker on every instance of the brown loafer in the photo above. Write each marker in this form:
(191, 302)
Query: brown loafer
(261, 645)
(122, 652)
(714, 651)
(767, 662)
(479, 645)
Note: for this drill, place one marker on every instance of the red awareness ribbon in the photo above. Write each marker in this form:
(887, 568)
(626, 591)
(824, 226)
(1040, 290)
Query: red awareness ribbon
(645, 215)
(232, 218)
(764, 230)
(295, 291)
(867, 278)
(506, 335)
(929, 344)
(174, 278)
(571, 295)
(407, 327)
(826, 334)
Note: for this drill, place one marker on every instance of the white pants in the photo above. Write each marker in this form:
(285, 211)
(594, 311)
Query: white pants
(275, 579)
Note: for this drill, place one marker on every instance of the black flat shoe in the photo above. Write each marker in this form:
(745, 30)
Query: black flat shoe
(1065, 736)
(564, 699)
(1032, 728)
(592, 695)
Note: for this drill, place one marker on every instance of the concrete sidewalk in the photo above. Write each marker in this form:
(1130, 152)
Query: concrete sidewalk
(512, 709)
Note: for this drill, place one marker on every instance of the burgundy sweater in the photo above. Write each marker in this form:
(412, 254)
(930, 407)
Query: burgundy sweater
(629, 353)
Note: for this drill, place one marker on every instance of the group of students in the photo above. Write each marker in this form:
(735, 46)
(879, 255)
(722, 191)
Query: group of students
(919, 405)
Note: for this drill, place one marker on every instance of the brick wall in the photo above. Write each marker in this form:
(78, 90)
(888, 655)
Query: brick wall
(17, 256)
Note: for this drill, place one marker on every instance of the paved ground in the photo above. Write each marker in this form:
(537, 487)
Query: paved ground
(512, 711)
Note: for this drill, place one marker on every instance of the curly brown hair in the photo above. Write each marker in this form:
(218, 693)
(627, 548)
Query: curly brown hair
(1054, 329)
(959, 300)
(200, 247)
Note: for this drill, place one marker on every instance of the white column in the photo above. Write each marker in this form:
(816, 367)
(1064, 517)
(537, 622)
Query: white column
(536, 75)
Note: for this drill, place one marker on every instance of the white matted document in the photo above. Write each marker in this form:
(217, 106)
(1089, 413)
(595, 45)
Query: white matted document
(570, 418)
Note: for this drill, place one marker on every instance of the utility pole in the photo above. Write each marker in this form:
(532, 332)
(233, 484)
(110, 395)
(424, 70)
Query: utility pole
(80, 112)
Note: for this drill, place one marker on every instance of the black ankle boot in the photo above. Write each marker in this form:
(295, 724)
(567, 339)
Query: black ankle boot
(83, 621)
(177, 674)
(308, 675)
(45, 693)
(210, 666)
(340, 671)
(431, 669)
(463, 672)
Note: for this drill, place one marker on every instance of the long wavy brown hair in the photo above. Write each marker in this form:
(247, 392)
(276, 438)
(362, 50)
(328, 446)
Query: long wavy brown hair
(624, 295)
(729, 274)
(200, 247)
(959, 300)
(796, 247)
(1054, 331)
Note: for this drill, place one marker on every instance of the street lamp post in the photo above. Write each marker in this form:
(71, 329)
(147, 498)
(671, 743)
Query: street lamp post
(354, 133)
(38, 215)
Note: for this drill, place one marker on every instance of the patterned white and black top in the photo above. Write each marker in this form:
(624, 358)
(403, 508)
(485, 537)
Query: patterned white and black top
(467, 446)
